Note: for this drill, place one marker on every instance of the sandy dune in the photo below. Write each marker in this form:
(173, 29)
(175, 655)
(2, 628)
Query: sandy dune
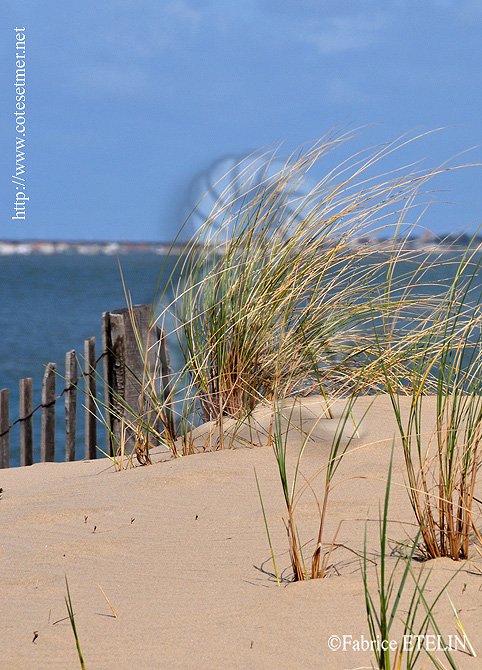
(180, 550)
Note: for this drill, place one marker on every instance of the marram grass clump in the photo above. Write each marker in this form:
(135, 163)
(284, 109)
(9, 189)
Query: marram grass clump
(275, 297)
(443, 460)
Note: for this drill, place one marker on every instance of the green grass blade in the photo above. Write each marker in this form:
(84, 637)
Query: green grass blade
(267, 530)
(70, 611)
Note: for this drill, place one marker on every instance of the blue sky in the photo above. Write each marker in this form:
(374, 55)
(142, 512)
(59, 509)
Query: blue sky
(128, 101)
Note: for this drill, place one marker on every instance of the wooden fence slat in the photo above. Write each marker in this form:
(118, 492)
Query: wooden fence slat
(26, 421)
(4, 428)
(47, 440)
(106, 347)
(71, 379)
(125, 369)
(90, 397)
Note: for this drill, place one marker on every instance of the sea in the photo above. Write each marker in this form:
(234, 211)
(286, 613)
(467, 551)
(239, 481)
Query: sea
(50, 304)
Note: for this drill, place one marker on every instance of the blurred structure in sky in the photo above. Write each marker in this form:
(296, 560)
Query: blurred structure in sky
(220, 193)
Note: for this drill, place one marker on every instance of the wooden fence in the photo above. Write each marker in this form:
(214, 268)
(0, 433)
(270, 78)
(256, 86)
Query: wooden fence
(122, 363)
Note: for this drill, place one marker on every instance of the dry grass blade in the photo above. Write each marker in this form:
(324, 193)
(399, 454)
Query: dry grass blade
(108, 602)
(461, 628)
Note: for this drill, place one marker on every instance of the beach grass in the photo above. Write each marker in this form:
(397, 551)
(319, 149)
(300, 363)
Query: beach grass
(287, 420)
(275, 297)
(382, 608)
(442, 461)
(70, 611)
(276, 301)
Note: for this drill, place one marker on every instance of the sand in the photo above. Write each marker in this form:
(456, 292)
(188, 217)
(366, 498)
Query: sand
(181, 552)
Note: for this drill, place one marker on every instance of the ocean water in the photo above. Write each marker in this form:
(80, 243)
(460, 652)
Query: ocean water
(50, 305)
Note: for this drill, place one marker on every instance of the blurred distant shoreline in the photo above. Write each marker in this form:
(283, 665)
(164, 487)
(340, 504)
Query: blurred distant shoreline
(426, 242)
(86, 248)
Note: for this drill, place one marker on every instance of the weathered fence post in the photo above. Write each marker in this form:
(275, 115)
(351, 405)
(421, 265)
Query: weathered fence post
(105, 371)
(90, 396)
(71, 379)
(129, 352)
(4, 429)
(26, 421)
(47, 439)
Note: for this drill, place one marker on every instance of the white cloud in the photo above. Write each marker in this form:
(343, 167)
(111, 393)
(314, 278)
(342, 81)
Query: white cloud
(142, 29)
(112, 79)
(336, 34)
(120, 51)
(186, 15)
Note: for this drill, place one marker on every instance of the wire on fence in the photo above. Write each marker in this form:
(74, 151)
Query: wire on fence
(52, 402)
